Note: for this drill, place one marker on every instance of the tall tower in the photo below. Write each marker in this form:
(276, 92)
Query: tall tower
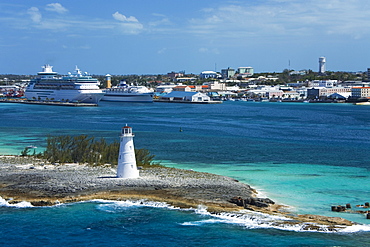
(126, 159)
(322, 61)
(108, 77)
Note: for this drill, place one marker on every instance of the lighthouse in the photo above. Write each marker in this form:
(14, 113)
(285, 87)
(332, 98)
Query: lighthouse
(108, 78)
(126, 159)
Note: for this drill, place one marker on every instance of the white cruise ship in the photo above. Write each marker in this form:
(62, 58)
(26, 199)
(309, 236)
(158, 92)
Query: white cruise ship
(125, 93)
(77, 87)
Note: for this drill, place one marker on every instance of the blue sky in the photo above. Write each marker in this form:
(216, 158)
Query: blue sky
(156, 37)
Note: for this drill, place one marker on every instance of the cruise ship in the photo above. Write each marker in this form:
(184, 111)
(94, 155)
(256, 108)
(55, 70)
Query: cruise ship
(125, 93)
(77, 87)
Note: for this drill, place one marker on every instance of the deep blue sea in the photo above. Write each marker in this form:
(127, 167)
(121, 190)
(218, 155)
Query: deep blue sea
(307, 156)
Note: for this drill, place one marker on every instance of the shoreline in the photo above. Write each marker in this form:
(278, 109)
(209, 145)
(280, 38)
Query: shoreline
(24, 179)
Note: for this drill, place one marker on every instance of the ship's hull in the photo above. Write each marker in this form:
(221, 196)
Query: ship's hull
(83, 96)
(129, 97)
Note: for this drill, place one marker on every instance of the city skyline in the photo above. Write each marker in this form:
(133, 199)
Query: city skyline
(147, 37)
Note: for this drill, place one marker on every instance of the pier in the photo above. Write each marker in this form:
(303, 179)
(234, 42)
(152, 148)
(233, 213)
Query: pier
(55, 103)
(188, 102)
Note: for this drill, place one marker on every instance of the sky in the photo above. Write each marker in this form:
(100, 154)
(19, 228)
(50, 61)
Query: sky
(122, 37)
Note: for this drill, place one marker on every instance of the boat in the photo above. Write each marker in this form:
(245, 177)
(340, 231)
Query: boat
(78, 87)
(125, 93)
(363, 103)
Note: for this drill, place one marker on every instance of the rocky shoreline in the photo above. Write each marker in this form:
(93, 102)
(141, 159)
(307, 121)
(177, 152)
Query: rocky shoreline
(41, 184)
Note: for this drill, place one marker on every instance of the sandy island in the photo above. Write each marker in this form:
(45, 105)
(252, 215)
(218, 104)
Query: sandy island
(24, 179)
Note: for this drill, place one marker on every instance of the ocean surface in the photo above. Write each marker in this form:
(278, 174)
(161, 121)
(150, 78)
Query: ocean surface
(307, 156)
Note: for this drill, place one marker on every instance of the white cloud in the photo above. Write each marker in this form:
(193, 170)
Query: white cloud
(35, 14)
(58, 23)
(119, 17)
(48, 23)
(131, 28)
(56, 7)
(161, 20)
(128, 25)
(281, 18)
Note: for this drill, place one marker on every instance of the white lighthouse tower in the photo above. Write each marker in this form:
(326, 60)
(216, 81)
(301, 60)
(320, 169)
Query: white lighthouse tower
(108, 78)
(322, 61)
(126, 159)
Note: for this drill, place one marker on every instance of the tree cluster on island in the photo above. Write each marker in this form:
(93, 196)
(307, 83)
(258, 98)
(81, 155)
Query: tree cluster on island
(86, 150)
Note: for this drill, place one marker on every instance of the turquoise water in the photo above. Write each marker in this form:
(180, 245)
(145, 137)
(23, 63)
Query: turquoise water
(128, 224)
(307, 156)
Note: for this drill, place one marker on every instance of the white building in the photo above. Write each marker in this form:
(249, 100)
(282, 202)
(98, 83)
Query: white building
(208, 74)
(186, 96)
(361, 92)
(165, 88)
(323, 83)
(227, 73)
(186, 79)
(215, 85)
(271, 94)
(245, 70)
(317, 92)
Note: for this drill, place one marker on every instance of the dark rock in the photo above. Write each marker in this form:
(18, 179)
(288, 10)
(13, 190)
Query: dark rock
(237, 200)
(341, 208)
(258, 202)
(265, 200)
(250, 201)
(42, 203)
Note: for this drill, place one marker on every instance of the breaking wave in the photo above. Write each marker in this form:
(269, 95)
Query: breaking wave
(24, 204)
(245, 218)
(114, 206)
(256, 220)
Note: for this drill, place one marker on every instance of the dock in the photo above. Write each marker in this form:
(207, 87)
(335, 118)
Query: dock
(54, 103)
(188, 102)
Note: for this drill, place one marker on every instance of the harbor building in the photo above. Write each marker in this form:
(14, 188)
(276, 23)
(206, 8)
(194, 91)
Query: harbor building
(173, 75)
(323, 83)
(185, 79)
(183, 88)
(326, 92)
(361, 92)
(126, 159)
(215, 86)
(181, 96)
(208, 74)
(227, 73)
(248, 71)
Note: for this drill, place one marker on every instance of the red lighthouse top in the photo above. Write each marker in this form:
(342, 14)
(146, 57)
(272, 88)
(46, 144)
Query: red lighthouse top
(127, 130)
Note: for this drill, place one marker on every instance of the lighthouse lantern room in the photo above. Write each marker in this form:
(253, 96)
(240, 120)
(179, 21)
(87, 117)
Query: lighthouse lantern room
(126, 159)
